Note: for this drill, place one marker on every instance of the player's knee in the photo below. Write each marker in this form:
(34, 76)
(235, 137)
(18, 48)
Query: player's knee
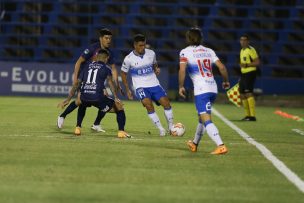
(149, 108)
(78, 102)
(164, 101)
(119, 106)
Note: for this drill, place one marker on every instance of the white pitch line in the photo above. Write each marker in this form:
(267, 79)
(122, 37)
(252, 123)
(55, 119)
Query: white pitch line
(278, 164)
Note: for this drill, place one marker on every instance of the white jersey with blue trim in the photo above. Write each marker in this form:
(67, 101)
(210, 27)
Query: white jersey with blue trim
(199, 61)
(141, 68)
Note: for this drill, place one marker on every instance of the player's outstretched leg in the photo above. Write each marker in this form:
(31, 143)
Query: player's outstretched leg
(164, 101)
(193, 144)
(60, 120)
(121, 121)
(96, 126)
(169, 117)
(155, 119)
(215, 136)
(80, 115)
(153, 116)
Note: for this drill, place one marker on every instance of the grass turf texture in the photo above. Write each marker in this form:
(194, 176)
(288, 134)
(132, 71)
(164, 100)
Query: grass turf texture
(40, 163)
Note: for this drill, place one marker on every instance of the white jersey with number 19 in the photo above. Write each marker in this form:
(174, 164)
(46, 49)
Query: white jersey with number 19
(199, 61)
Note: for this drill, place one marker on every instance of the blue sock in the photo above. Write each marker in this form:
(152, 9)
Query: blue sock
(69, 109)
(99, 117)
(121, 119)
(80, 114)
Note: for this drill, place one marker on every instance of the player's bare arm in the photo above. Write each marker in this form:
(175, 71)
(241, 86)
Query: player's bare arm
(72, 92)
(112, 87)
(115, 78)
(223, 70)
(181, 79)
(77, 68)
(125, 83)
(156, 69)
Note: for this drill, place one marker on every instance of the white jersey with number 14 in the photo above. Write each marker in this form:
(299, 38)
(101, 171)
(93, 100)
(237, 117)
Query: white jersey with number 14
(199, 61)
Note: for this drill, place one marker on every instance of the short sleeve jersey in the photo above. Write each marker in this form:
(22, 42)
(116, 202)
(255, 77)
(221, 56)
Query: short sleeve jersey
(93, 77)
(199, 61)
(93, 49)
(141, 68)
(247, 55)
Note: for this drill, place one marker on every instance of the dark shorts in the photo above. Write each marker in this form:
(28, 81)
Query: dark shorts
(105, 104)
(247, 82)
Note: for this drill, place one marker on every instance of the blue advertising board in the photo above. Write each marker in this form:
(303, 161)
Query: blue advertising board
(43, 79)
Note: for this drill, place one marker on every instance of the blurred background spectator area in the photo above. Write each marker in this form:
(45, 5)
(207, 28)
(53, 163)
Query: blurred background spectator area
(58, 30)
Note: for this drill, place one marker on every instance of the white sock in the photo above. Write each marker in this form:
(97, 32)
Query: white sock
(154, 117)
(169, 117)
(213, 133)
(200, 129)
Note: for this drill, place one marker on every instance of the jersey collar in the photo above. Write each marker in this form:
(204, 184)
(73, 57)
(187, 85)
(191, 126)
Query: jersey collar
(139, 55)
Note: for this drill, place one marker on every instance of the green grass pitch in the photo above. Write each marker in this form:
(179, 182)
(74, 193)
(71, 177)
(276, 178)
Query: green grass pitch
(39, 163)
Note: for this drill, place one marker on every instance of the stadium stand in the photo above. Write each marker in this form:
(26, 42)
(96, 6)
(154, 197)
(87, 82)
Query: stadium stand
(58, 30)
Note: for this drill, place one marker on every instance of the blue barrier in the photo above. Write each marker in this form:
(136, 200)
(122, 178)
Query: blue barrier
(44, 79)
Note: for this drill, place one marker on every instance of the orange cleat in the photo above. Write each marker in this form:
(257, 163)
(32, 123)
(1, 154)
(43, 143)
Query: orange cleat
(123, 134)
(77, 131)
(222, 149)
(192, 146)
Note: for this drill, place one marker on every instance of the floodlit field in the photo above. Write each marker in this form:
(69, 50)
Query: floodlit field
(39, 163)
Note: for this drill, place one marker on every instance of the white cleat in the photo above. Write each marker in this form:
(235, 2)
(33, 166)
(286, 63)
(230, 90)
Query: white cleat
(97, 128)
(162, 132)
(60, 121)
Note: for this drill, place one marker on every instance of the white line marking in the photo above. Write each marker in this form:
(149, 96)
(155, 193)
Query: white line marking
(290, 175)
(301, 132)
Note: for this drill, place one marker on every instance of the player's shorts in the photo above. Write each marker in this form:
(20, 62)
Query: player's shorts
(247, 82)
(153, 93)
(104, 105)
(203, 102)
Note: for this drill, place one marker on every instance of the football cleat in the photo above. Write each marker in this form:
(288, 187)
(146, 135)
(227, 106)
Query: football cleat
(123, 134)
(77, 131)
(249, 118)
(60, 121)
(162, 132)
(222, 149)
(245, 118)
(192, 146)
(97, 128)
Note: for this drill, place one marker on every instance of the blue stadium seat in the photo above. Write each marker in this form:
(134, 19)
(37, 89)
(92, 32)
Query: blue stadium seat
(57, 31)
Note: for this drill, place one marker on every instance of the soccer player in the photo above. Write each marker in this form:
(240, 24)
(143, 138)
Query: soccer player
(92, 79)
(197, 60)
(88, 55)
(142, 64)
(249, 60)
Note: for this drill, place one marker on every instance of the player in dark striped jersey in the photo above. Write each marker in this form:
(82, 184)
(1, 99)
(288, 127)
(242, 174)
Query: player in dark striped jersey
(87, 56)
(91, 83)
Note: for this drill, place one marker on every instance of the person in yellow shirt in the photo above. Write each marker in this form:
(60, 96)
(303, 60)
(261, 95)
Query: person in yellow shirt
(249, 60)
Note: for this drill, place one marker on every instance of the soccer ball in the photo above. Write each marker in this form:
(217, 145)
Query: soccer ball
(178, 129)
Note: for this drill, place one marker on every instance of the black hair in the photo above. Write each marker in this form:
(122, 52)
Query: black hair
(194, 36)
(245, 35)
(139, 38)
(104, 51)
(104, 31)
